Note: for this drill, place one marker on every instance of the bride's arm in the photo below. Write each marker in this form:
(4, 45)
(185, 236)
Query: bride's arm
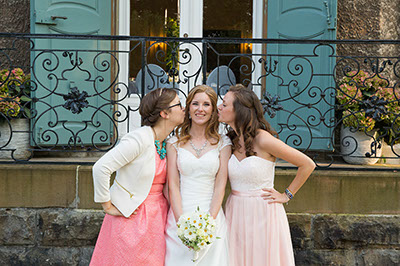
(220, 181)
(173, 182)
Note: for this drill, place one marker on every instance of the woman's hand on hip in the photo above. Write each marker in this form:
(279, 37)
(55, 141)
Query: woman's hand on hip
(110, 209)
(273, 196)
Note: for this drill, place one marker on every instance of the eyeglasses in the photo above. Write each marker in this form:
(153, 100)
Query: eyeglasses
(178, 104)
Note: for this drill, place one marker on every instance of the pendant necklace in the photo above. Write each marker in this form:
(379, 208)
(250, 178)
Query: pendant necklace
(198, 151)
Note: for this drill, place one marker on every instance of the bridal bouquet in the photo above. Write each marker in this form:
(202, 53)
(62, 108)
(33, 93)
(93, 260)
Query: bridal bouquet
(196, 230)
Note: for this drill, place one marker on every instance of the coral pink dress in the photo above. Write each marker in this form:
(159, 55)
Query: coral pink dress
(138, 240)
(259, 232)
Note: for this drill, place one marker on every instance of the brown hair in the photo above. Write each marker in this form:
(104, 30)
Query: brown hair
(182, 131)
(249, 117)
(153, 103)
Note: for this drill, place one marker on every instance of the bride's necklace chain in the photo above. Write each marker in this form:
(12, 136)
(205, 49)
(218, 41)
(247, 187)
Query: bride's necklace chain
(198, 150)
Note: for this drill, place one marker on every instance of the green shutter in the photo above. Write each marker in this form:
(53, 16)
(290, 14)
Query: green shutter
(307, 78)
(60, 65)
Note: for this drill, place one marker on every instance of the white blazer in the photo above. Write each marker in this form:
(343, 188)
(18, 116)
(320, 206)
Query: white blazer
(134, 158)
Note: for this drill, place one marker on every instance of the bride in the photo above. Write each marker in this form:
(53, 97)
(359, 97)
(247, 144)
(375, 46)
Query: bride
(197, 175)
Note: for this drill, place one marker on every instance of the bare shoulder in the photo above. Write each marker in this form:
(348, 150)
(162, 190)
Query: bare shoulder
(266, 142)
(264, 139)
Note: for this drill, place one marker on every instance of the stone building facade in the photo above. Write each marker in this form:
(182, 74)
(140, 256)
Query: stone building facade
(66, 236)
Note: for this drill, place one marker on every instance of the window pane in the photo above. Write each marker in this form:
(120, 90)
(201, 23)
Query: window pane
(149, 18)
(228, 18)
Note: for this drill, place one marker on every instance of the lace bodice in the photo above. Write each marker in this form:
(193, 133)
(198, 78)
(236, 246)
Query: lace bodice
(251, 173)
(197, 175)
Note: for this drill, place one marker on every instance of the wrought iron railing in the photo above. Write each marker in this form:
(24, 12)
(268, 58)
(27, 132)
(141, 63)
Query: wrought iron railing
(336, 100)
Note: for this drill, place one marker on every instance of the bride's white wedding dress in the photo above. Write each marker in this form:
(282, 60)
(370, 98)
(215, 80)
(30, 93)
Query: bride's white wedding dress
(197, 179)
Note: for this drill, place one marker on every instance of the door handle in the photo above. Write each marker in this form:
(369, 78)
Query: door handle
(43, 18)
(58, 17)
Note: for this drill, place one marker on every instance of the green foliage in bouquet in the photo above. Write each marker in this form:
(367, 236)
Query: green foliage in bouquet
(196, 230)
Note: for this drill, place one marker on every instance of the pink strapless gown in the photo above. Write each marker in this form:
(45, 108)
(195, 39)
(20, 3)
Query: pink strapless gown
(259, 232)
(138, 240)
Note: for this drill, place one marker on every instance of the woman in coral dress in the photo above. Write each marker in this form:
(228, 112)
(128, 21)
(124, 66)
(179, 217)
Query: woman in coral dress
(258, 226)
(132, 232)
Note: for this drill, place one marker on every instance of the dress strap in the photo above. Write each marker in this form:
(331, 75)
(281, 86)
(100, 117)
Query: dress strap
(173, 141)
(224, 141)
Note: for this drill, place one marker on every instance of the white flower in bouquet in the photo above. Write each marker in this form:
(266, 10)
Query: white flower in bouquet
(196, 230)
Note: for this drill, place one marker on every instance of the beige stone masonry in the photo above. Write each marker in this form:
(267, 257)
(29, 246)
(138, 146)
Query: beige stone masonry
(327, 191)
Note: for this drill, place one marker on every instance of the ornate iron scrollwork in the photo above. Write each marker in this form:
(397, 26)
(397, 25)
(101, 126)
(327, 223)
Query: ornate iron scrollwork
(310, 99)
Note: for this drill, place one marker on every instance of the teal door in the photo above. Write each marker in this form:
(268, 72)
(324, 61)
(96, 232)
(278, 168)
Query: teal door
(73, 77)
(302, 74)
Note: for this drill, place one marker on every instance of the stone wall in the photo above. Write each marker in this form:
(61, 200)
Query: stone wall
(48, 236)
(61, 236)
(326, 239)
(15, 18)
(360, 19)
(326, 191)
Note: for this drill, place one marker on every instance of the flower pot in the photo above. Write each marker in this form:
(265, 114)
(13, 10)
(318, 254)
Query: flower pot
(14, 139)
(388, 156)
(355, 146)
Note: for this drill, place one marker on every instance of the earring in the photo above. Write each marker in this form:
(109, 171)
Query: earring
(190, 117)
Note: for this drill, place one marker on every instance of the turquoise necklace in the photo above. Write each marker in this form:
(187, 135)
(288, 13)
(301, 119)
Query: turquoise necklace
(160, 148)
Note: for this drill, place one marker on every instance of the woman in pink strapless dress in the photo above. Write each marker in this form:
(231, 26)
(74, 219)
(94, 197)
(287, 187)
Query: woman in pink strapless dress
(257, 223)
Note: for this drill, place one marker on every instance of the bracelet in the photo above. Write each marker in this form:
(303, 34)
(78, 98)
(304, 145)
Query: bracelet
(289, 194)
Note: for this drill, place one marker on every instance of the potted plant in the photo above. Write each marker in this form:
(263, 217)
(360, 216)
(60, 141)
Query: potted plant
(389, 126)
(363, 110)
(14, 107)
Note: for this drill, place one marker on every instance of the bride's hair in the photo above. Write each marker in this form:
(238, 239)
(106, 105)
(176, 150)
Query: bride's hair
(249, 117)
(182, 131)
